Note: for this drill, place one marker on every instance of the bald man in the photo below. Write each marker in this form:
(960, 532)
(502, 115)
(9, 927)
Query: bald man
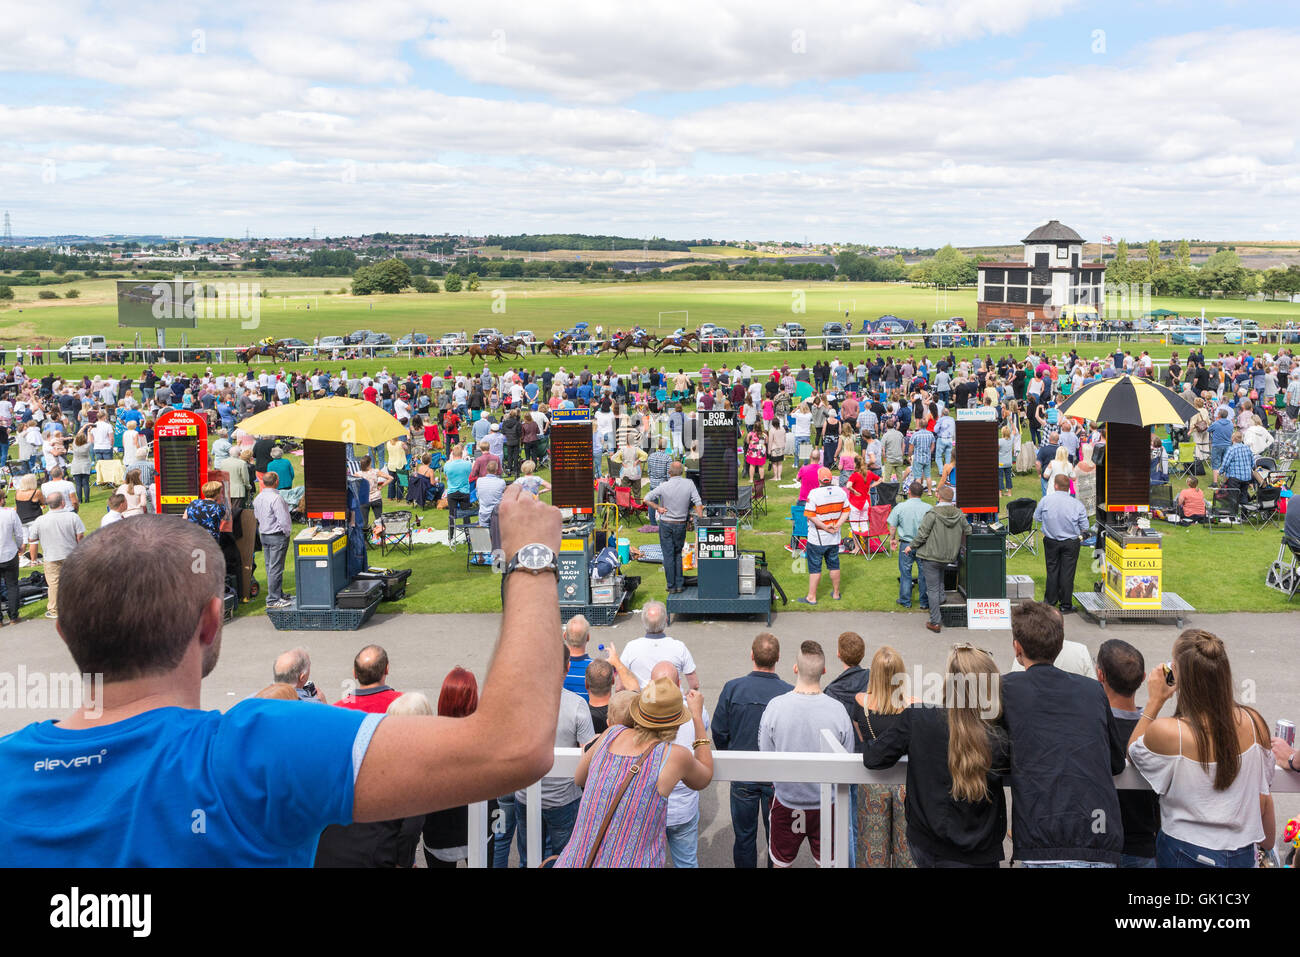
(683, 803)
(370, 671)
(294, 668)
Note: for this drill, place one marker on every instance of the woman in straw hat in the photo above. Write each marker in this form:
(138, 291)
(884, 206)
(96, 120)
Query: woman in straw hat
(627, 777)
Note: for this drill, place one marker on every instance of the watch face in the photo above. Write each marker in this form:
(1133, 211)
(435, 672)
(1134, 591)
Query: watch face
(535, 557)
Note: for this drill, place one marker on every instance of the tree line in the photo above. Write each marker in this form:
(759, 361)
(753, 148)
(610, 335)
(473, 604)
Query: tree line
(1221, 272)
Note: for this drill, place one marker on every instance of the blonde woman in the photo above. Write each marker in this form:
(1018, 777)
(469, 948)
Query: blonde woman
(1200, 429)
(1058, 466)
(882, 825)
(29, 503)
(137, 496)
(957, 756)
(532, 483)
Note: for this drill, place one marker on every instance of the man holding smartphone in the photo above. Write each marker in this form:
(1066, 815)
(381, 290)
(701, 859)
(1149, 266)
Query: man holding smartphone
(294, 668)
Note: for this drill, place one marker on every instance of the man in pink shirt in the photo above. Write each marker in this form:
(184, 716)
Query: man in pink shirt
(808, 475)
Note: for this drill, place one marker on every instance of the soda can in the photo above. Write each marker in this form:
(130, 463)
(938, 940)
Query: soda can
(1286, 731)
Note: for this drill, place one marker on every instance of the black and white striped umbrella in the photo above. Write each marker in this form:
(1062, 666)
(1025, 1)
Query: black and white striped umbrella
(1129, 400)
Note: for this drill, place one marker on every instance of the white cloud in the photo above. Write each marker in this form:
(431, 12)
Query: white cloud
(1188, 131)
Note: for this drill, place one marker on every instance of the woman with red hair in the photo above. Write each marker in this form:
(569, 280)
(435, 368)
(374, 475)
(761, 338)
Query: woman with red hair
(446, 833)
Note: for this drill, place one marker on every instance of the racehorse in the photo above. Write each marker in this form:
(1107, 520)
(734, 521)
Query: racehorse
(559, 347)
(632, 339)
(681, 342)
(275, 351)
(492, 350)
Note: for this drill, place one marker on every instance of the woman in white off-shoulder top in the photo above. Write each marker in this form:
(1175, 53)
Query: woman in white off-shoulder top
(1210, 763)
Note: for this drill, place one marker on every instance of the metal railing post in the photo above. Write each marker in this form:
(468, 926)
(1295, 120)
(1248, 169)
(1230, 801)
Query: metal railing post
(840, 816)
(478, 827)
(533, 821)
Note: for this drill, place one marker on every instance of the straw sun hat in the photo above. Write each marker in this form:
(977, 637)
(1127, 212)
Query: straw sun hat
(660, 705)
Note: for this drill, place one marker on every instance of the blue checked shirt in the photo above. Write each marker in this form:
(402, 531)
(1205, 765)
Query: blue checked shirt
(922, 446)
(1238, 462)
(657, 467)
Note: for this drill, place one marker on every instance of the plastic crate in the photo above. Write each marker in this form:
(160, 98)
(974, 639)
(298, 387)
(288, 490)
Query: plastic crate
(293, 618)
(953, 616)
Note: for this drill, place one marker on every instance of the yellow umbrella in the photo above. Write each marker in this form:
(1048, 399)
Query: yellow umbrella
(334, 419)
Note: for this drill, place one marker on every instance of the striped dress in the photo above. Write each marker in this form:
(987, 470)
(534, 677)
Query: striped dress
(637, 835)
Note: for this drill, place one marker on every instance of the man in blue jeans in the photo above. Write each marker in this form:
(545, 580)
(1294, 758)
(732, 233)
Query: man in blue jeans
(827, 509)
(560, 795)
(672, 501)
(945, 438)
(735, 728)
(1220, 439)
(904, 520)
(683, 818)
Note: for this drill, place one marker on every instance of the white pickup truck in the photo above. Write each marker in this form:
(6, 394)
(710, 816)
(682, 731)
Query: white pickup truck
(84, 347)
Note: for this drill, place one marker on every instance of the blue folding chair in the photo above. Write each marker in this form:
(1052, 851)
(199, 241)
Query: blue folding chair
(798, 530)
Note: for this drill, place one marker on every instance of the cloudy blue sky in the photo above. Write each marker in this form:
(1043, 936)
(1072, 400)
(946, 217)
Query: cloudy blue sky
(883, 121)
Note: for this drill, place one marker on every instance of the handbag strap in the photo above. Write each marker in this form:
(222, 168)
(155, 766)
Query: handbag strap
(618, 799)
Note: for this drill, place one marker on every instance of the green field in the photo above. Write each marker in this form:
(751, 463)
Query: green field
(537, 306)
(441, 583)
(545, 306)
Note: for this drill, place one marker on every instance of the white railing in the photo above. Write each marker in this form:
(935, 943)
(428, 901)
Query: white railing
(857, 342)
(834, 769)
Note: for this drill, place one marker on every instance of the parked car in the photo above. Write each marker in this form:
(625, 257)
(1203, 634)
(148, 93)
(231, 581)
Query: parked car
(486, 333)
(714, 338)
(1187, 336)
(378, 343)
(84, 347)
(330, 343)
(834, 336)
(945, 334)
(1245, 333)
(414, 339)
(358, 336)
(1000, 325)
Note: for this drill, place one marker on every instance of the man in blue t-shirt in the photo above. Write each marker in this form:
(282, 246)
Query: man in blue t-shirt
(576, 633)
(142, 777)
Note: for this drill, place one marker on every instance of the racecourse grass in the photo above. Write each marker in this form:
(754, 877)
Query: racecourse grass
(1213, 571)
(1195, 565)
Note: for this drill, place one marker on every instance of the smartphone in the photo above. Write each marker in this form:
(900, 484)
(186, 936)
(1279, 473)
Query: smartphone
(1169, 674)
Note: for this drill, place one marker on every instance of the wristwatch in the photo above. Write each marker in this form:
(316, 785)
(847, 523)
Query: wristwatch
(533, 558)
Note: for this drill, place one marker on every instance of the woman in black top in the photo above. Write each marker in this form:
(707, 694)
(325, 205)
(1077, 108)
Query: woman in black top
(28, 501)
(956, 759)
